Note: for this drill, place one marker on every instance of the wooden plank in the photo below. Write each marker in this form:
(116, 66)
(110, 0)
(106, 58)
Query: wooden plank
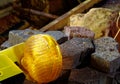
(60, 22)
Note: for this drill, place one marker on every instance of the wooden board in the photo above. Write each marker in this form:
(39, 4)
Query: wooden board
(60, 22)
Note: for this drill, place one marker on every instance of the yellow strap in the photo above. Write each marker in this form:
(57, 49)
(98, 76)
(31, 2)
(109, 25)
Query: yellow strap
(8, 68)
(14, 53)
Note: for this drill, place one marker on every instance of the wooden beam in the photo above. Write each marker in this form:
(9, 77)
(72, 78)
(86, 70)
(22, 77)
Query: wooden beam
(35, 12)
(60, 22)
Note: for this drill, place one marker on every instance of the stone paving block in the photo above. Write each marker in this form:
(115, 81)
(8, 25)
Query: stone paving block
(77, 51)
(89, 76)
(106, 57)
(18, 36)
(5, 45)
(59, 36)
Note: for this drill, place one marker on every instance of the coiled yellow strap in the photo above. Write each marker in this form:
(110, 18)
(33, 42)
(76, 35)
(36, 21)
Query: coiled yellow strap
(42, 58)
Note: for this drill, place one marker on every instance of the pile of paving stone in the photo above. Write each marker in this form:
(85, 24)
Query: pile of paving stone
(85, 60)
